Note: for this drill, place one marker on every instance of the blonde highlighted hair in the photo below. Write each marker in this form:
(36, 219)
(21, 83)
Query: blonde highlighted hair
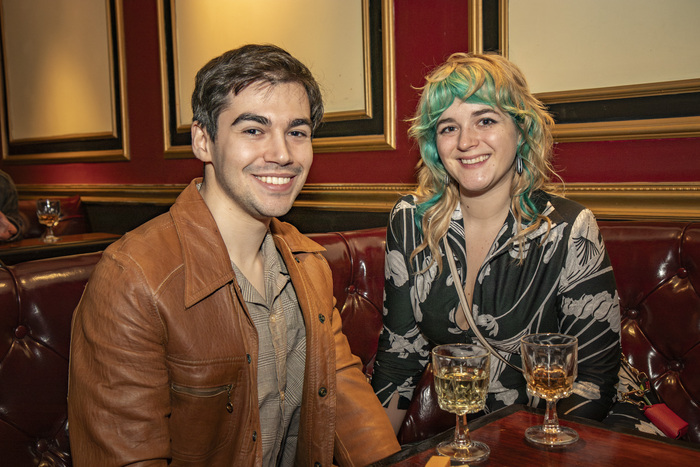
(492, 80)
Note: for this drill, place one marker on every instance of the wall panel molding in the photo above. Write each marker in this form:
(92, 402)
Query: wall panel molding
(607, 200)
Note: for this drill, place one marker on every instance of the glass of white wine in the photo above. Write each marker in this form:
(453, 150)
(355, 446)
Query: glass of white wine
(550, 365)
(461, 382)
(49, 213)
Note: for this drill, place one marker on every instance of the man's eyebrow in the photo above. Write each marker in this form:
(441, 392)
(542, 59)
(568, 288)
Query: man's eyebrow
(300, 122)
(249, 117)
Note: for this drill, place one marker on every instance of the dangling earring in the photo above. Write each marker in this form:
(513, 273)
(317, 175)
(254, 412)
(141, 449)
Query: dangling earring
(447, 179)
(519, 164)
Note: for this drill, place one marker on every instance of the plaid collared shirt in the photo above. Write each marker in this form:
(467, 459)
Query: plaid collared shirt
(281, 356)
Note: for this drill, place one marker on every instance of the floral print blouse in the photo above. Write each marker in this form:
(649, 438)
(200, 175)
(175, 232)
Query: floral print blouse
(564, 285)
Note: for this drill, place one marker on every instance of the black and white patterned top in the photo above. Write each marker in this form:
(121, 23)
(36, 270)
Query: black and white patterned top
(565, 285)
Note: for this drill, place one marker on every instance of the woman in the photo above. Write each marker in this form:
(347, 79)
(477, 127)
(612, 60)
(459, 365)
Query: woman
(528, 260)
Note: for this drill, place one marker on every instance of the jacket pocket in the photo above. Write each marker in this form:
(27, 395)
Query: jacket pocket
(203, 419)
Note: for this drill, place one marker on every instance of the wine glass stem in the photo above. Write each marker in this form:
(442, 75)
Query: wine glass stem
(462, 439)
(551, 421)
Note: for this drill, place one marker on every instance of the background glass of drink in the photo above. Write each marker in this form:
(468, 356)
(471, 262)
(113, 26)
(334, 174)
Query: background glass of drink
(49, 212)
(549, 365)
(461, 382)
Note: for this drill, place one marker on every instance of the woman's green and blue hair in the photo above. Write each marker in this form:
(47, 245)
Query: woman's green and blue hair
(491, 80)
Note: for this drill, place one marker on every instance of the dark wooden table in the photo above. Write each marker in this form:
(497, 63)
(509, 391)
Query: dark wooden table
(34, 248)
(599, 445)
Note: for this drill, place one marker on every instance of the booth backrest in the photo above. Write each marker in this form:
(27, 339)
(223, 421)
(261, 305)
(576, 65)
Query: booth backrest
(37, 299)
(657, 266)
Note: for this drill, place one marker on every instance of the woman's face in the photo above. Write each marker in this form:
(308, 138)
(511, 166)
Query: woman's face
(477, 145)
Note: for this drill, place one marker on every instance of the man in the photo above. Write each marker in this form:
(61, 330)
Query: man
(208, 336)
(11, 222)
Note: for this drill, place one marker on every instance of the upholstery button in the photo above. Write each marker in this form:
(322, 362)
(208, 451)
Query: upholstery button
(351, 289)
(682, 273)
(322, 392)
(675, 366)
(321, 318)
(20, 331)
(632, 314)
(42, 445)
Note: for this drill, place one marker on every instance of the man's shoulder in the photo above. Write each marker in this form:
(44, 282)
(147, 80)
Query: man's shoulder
(151, 246)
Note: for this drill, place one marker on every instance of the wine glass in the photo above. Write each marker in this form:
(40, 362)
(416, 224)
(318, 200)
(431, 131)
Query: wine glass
(49, 211)
(461, 382)
(549, 365)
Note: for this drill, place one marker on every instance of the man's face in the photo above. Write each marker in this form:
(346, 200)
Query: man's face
(262, 154)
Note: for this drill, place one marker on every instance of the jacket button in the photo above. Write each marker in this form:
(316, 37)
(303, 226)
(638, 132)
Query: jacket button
(322, 392)
(247, 357)
(321, 318)
(255, 435)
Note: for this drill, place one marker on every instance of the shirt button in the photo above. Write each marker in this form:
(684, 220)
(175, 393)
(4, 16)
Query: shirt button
(322, 392)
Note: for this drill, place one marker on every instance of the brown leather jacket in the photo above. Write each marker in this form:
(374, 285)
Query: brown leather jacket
(163, 360)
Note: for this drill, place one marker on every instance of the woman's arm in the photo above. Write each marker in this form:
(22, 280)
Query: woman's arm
(402, 351)
(590, 310)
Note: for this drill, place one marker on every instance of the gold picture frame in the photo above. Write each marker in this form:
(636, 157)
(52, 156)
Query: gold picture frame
(668, 109)
(67, 103)
(371, 127)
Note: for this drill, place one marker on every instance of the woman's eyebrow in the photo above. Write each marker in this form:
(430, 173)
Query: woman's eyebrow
(445, 120)
(484, 111)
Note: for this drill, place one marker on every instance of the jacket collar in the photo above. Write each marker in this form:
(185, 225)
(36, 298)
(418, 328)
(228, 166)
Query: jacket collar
(205, 258)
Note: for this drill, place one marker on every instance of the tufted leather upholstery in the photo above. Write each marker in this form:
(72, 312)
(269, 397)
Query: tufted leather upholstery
(657, 269)
(657, 266)
(37, 299)
(357, 261)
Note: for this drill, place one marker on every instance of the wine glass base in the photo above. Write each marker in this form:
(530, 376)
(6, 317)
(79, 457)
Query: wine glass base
(50, 239)
(475, 452)
(561, 437)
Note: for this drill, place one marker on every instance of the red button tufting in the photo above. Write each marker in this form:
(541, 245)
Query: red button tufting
(682, 273)
(42, 446)
(675, 366)
(351, 289)
(21, 331)
(632, 314)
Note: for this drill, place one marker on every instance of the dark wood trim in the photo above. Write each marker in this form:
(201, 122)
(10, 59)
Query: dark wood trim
(606, 200)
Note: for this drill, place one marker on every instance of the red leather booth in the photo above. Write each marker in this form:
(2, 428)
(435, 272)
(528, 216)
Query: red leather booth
(657, 266)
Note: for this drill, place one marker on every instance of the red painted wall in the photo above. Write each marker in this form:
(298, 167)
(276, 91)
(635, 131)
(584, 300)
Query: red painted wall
(426, 33)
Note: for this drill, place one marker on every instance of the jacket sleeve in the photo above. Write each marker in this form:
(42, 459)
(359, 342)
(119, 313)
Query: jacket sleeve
(590, 310)
(118, 397)
(363, 431)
